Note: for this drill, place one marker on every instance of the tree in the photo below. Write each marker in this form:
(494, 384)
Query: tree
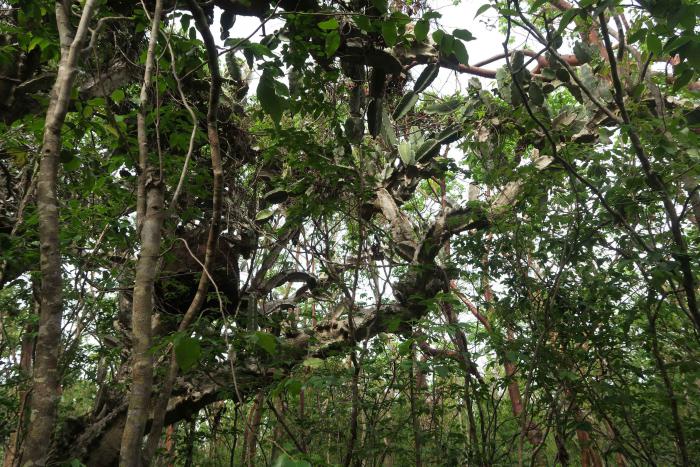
(346, 265)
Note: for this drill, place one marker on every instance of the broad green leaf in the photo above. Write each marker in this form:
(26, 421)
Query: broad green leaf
(444, 107)
(463, 34)
(582, 52)
(482, 9)
(427, 150)
(263, 215)
(426, 77)
(117, 96)
(293, 386)
(421, 29)
(328, 24)
(313, 362)
(332, 42)
(405, 105)
(460, 52)
(447, 44)
(406, 153)
(683, 79)
(363, 22)
(389, 33)
(374, 117)
(449, 135)
(271, 103)
(405, 347)
(536, 94)
(265, 341)
(381, 5)
(187, 352)
(654, 45)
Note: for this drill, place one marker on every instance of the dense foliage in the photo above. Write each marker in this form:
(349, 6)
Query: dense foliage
(295, 248)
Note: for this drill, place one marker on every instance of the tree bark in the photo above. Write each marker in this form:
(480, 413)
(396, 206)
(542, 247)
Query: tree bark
(149, 221)
(142, 361)
(251, 430)
(14, 443)
(46, 380)
(217, 170)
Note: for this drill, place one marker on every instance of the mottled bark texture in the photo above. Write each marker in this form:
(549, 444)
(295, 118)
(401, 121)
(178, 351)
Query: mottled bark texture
(45, 387)
(150, 221)
(203, 286)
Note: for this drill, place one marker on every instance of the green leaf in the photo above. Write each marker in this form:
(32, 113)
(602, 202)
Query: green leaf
(426, 78)
(636, 36)
(406, 153)
(381, 5)
(389, 33)
(582, 53)
(263, 215)
(332, 42)
(654, 45)
(405, 347)
(187, 352)
(293, 386)
(363, 22)
(265, 341)
(271, 103)
(449, 135)
(447, 44)
(482, 9)
(329, 24)
(117, 96)
(313, 362)
(536, 94)
(387, 129)
(566, 18)
(421, 29)
(444, 107)
(405, 105)
(562, 75)
(463, 34)
(374, 117)
(427, 150)
(460, 52)
(683, 79)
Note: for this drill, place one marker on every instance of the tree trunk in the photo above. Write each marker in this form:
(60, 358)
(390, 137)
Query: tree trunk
(46, 379)
(150, 223)
(142, 361)
(203, 286)
(14, 443)
(417, 381)
(251, 430)
(189, 453)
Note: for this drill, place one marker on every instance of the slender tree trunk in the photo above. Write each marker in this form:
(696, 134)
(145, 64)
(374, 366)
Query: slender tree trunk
(46, 378)
(251, 437)
(678, 430)
(203, 286)
(191, 432)
(149, 222)
(589, 458)
(278, 433)
(350, 450)
(142, 361)
(415, 384)
(14, 444)
(168, 456)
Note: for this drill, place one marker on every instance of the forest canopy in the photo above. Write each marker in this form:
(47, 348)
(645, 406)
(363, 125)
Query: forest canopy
(334, 238)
